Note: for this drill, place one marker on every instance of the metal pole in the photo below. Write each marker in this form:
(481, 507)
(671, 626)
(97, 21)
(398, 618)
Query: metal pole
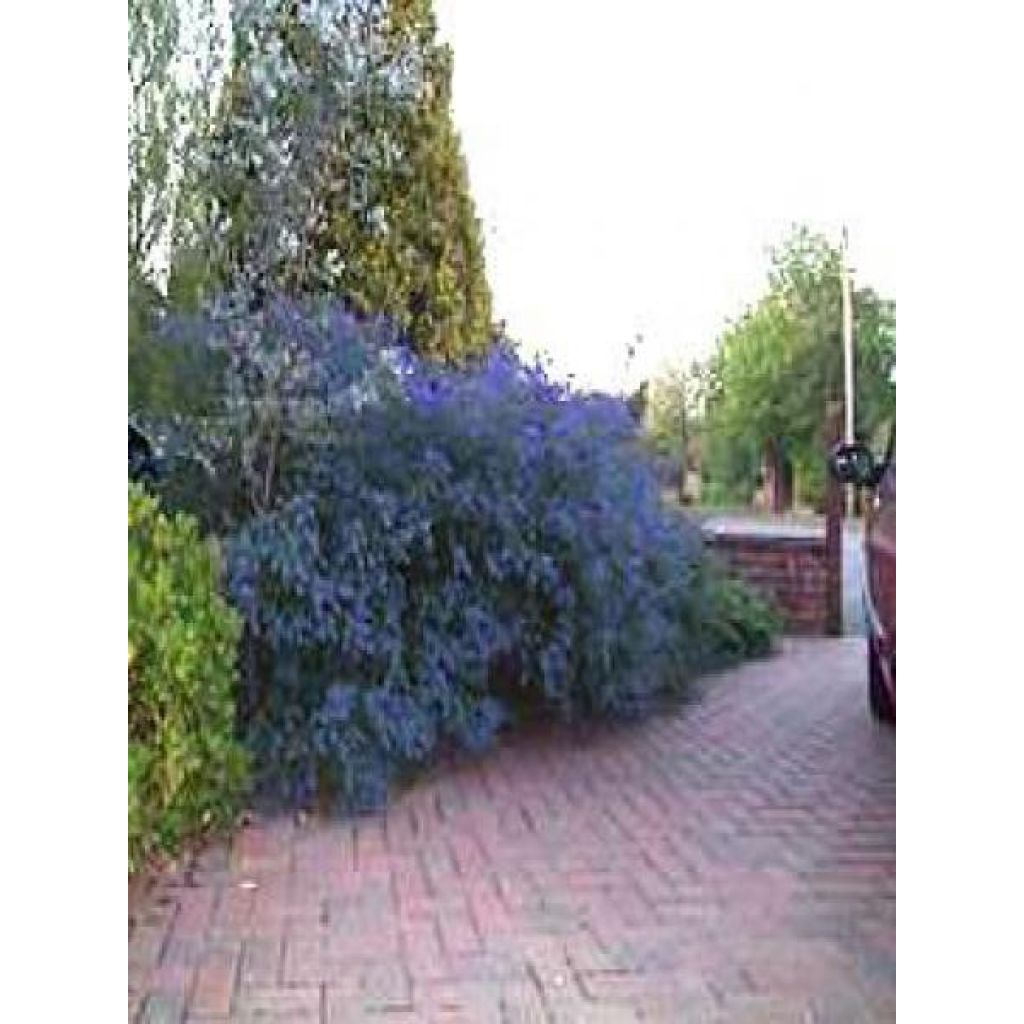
(847, 300)
(847, 338)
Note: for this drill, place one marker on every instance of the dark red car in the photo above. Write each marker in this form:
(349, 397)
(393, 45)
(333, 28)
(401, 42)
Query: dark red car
(856, 464)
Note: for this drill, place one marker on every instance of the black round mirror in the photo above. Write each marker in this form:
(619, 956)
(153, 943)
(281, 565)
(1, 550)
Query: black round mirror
(851, 462)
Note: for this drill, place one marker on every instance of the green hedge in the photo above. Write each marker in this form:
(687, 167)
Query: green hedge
(737, 622)
(185, 767)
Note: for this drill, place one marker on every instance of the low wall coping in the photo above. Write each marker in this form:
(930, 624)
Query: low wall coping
(763, 534)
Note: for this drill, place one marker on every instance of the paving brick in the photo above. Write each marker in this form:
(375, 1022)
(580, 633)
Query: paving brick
(146, 946)
(731, 860)
(281, 1005)
(304, 960)
(458, 932)
(195, 908)
(459, 1000)
(583, 1011)
(171, 978)
(161, 1008)
(521, 1003)
(216, 977)
(766, 1009)
(262, 962)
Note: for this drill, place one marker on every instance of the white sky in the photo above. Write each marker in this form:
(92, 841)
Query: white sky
(632, 162)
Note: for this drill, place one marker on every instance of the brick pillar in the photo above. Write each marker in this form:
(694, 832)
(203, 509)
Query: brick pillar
(833, 530)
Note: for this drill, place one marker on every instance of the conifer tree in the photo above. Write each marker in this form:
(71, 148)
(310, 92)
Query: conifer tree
(337, 169)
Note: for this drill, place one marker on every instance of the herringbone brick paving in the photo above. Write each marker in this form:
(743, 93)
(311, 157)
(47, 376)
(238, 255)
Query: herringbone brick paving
(733, 860)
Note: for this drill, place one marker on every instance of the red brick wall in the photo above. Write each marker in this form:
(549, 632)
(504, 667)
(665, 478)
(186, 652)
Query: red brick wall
(788, 569)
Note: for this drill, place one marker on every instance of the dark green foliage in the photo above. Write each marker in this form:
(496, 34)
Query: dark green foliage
(166, 380)
(734, 622)
(731, 469)
(761, 398)
(185, 768)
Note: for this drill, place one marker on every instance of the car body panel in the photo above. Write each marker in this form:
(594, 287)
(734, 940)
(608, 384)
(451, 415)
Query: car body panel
(880, 561)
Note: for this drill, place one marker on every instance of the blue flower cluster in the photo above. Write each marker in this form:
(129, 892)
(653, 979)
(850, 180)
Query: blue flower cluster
(441, 548)
(459, 543)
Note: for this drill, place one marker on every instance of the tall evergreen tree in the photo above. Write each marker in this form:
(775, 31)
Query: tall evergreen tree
(337, 169)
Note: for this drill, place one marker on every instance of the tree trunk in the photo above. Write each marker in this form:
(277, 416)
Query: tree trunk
(778, 478)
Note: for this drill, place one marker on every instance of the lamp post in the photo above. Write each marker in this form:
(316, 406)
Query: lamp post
(848, 395)
(834, 490)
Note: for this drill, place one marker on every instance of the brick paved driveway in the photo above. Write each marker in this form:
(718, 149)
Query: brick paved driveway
(734, 860)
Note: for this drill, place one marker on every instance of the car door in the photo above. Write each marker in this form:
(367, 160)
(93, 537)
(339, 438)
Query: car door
(881, 557)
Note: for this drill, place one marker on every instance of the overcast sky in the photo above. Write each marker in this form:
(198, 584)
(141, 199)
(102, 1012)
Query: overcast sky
(632, 162)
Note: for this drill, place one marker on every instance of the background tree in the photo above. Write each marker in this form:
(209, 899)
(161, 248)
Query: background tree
(175, 54)
(175, 59)
(336, 169)
(675, 417)
(782, 362)
(761, 405)
(806, 273)
(423, 262)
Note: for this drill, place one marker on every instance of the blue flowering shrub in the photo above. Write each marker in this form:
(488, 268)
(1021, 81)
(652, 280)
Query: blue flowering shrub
(421, 552)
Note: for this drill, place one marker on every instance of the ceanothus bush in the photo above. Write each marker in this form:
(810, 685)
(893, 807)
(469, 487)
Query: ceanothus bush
(421, 551)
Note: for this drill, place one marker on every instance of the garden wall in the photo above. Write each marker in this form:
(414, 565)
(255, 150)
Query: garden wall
(787, 563)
